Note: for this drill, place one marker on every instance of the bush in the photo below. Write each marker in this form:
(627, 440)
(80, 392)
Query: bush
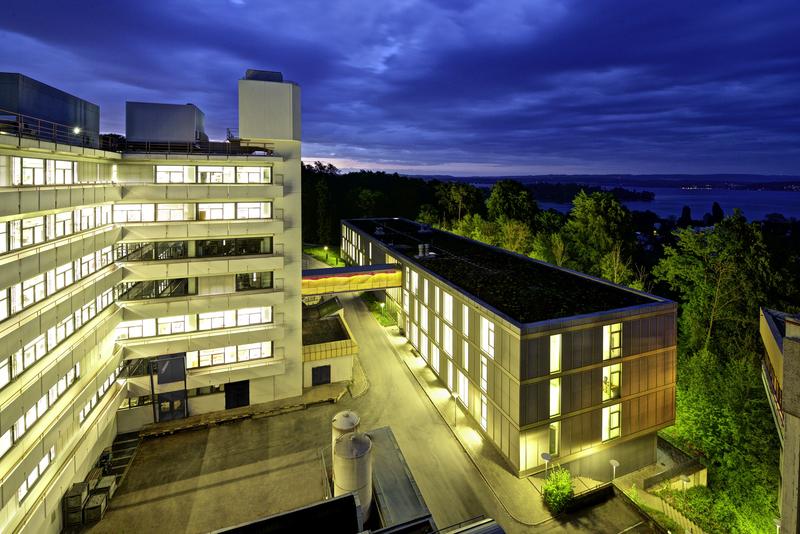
(557, 490)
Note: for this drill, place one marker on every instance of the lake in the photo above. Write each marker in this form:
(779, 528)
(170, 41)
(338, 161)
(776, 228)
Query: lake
(670, 201)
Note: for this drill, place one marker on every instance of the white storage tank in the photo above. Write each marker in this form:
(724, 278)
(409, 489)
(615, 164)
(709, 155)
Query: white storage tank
(352, 468)
(343, 423)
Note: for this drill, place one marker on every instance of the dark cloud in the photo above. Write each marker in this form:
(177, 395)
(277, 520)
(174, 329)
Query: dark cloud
(464, 87)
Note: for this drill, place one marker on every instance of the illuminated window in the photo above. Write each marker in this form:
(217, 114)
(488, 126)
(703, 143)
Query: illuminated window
(406, 302)
(463, 389)
(449, 374)
(612, 341)
(435, 358)
(484, 410)
(465, 320)
(172, 325)
(423, 318)
(448, 340)
(5, 442)
(487, 337)
(447, 300)
(424, 290)
(555, 397)
(484, 373)
(555, 353)
(415, 283)
(172, 174)
(611, 379)
(465, 355)
(172, 212)
(126, 213)
(423, 346)
(611, 422)
(216, 175)
(253, 210)
(553, 434)
(436, 330)
(436, 299)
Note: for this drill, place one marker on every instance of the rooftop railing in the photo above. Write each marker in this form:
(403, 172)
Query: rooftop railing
(28, 127)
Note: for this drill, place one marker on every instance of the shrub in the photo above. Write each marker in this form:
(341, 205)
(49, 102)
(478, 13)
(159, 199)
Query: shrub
(557, 490)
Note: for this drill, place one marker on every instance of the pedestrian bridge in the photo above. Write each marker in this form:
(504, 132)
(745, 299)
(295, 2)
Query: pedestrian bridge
(350, 279)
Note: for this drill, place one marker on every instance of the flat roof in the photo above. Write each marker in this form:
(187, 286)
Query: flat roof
(324, 330)
(522, 288)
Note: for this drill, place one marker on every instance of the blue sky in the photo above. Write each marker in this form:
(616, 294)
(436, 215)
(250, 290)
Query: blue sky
(452, 87)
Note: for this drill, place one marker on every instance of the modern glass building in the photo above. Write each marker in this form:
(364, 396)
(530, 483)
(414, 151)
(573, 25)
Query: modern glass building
(173, 263)
(545, 360)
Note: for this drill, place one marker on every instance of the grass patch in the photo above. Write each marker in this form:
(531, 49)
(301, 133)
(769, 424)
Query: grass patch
(662, 519)
(330, 256)
(383, 317)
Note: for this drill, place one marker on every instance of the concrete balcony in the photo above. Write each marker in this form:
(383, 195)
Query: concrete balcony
(180, 230)
(150, 192)
(234, 372)
(168, 307)
(33, 199)
(147, 347)
(134, 271)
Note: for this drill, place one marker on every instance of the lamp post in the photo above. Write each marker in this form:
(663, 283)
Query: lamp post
(383, 310)
(614, 465)
(326, 253)
(547, 458)
(455, 408)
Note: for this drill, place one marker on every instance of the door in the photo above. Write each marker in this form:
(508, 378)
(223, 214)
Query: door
(321, 375)
(237, 394)
(172, 405)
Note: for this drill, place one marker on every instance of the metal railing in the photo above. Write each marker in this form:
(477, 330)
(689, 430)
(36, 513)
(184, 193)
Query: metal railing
(28, 127)
(154, 289)
(24, 126)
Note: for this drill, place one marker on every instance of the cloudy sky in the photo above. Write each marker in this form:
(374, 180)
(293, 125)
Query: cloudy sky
(452, 87)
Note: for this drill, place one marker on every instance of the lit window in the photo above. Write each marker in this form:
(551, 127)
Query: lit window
(554, 435)
(171, 174)
(611, 422)
(487, 337)
(612, 341)
(424, 290)
(423, 318)
(463, 389)
(555, 397)
(465, 320)
(435, 358)
(449, 374)
(555, 353)
(448, 340)
(5, 442)
(465, 355)
(484, 373)
(484, 411)
(415, 283)
(611, 379)
(447, 300)
(215, 175)
(423, 346)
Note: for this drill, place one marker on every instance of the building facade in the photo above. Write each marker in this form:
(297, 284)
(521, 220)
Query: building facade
(544, 360)
(780, 372)
(167, 283)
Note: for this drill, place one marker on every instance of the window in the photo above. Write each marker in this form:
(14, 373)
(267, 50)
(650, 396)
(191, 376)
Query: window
(424, 289)
(5, 442)
(423, 346)
(435, 358)
(31, 231)
(5, 372)
(423, 318)
(414, 335)
(484, 373)
(4, 302)
(554, 435)
(465, 355)
(216, 211)
(124, 213)
(447, 300)
(33, 290)
(484, 411)
(465, 320)
(3, 237)
(172, 174)
(611, 379)
(248, 316)
(59, 225)
(406, 302)
(487, 337)
(250, 281)
(463, 389)
(172, 212)
(436, 330)
(254, 175)
(172, 325)
(555, 353)
(31, 172)
(63, 172)
(612, 341)
(136, 329)
(555, 397)
(450, 374)
(231, 354)
(253, 210)
(448, 340)
(212, 320)
(611, 422)
(215, 175)
(415, 283)
(436, 298)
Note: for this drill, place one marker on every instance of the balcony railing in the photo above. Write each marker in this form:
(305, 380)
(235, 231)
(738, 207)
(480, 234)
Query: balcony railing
(154, 289)
(24, 126)
(226, 148)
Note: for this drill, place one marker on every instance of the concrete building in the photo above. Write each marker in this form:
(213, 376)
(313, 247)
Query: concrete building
(166, 282)
(780, 371)
(148, 121)
(545, 360)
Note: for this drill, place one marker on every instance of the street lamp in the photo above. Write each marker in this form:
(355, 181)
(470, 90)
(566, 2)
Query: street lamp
(547, 458)
(383, 310)
(455, 408)
(614, 465)
(76, 130)
(326, 253)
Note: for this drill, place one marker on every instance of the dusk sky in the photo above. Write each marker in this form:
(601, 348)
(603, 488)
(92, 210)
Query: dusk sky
(452, 87)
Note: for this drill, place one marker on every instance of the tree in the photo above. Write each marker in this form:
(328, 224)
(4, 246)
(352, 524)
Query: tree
(458, 199)
(323, 212)
(686, 217)
(515, 235)
(716, 213)
(550, 247)
(509, 199)
(615, 267)
(596, 223)
(476, 227)
(428, 214)
(722, 275)
(367, 201)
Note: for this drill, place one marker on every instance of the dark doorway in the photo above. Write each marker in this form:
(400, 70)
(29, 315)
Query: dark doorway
(171, 405)
(321, 375)
(237, 394)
